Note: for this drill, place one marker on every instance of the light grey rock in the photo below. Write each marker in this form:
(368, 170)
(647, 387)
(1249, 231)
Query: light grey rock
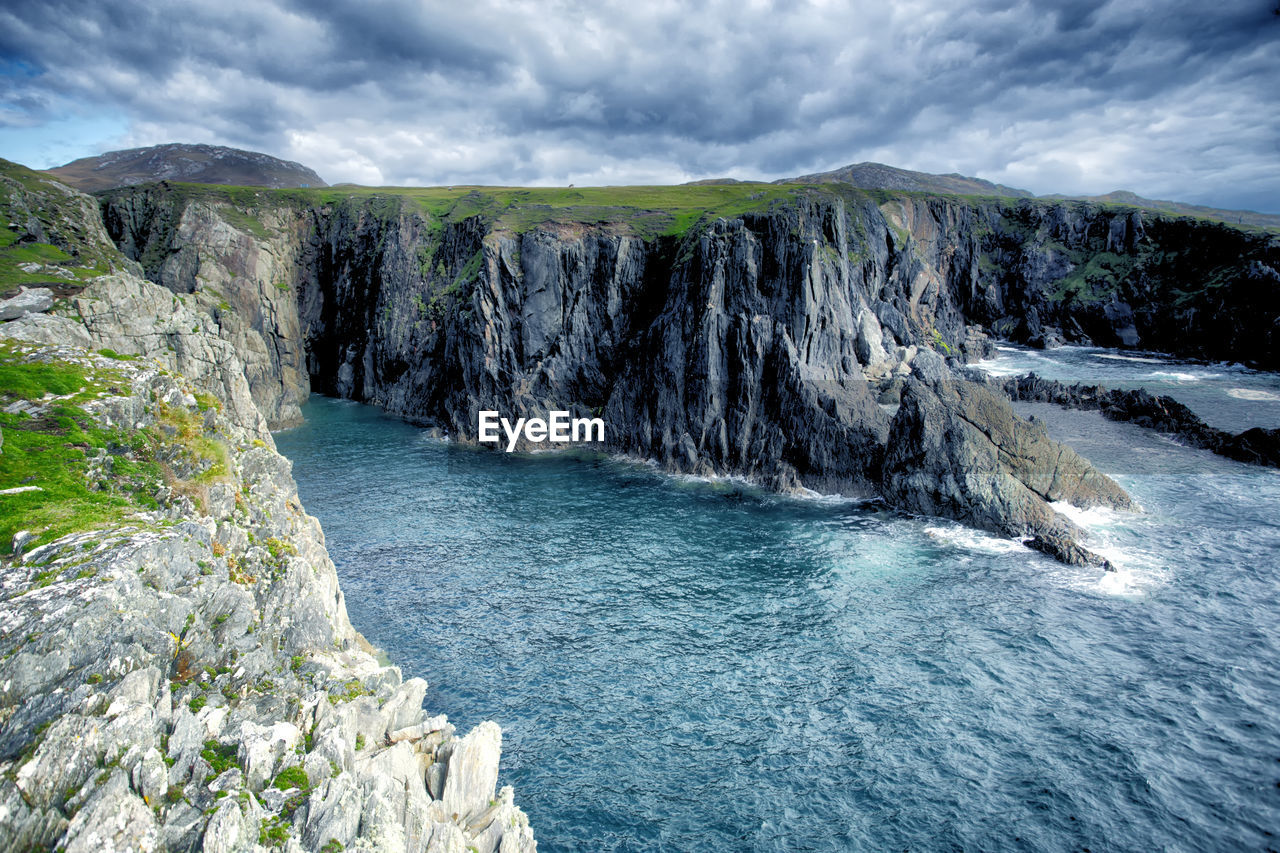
(473, 771)
(233, 827)
(114, 819)
(151, 777)
(35, 300)
(166, 647)
(265, 750)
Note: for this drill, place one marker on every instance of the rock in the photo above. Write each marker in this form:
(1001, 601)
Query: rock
(35, 300)
(1067, 551)
(262, 750)
(1164, 414)
(473, 771)
(113, 819)
(20, 542)
(959, 451)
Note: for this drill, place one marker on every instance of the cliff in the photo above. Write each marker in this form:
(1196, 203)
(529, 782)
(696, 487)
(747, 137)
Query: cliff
(177, 669)
(755, 330)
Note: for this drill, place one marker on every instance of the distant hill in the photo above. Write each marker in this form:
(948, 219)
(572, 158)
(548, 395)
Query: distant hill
(1235, 217)
(200, 164)
(878, 176)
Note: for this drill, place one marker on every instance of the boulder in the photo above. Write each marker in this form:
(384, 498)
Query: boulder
(35, 300)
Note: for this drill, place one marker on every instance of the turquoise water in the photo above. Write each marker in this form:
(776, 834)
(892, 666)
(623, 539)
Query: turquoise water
(684, 665)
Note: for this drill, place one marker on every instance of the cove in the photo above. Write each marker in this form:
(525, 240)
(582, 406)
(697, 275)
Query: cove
(680, 664)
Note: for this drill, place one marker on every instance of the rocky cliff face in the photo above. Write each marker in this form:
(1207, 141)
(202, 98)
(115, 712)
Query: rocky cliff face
(178, 671)
(774, 343)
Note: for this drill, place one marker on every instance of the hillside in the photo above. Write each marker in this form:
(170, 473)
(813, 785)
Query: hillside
(880, 176)
(200, 164)
(1178, 208)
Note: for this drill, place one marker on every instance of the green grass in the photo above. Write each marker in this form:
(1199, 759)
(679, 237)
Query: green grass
(292, 777)
(221, 757)
(49, 451)
(67, 242)
(645, 211)
(52, 450)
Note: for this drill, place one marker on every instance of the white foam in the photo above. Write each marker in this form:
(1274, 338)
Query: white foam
(1136, 358)
(974, 540)
(1254, 394)
(1097, 517)
(1134, 574)
(1000, 367)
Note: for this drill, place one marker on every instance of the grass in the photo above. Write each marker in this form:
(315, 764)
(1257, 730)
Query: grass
(58, 449)
(221, 757)
(645, 211)
(51, 451)
(63, 240)
(292, 777)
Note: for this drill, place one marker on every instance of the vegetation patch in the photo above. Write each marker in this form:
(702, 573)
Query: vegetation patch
(1098, 278)
(44, 226)
(52, 451)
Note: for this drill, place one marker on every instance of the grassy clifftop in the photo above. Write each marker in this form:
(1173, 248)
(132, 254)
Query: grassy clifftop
(645, 211)
(54, 235)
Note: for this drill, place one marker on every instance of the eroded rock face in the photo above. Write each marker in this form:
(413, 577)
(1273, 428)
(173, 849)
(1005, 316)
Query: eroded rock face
(188, 678)
(957, 449)
(771, 346)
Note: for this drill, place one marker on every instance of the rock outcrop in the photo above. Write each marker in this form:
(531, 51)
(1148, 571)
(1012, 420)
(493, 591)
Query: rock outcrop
(178, 671)
(771, 345)
(1257, 446)
(957, 449)
(34, 300)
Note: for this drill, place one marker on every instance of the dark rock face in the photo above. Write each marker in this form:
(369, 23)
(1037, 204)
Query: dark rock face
(1164, 414)
(957, 449)
(773, 345)
(1067, 551)
(1079, 273)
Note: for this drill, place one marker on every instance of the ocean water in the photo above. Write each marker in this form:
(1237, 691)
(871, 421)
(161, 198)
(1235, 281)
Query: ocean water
(1227, 396)
(688, 665)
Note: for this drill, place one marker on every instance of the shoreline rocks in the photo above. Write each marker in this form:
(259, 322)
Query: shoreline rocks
(187, 678)
(1255, 446)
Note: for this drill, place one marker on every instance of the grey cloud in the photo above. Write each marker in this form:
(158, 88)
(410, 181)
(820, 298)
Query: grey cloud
(1172, 98)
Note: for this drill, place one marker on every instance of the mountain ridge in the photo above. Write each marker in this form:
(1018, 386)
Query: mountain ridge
(188, 163)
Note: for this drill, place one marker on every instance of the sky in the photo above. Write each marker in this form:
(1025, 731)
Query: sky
(1177, 99)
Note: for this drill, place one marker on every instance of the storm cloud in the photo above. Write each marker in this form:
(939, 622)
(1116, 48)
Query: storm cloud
(1169, 99)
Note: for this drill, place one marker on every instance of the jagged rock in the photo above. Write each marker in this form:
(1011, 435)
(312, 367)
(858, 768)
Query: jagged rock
(1067, 551)
(958, 450)
(145, 646)
(1164, 414)
(262, 750)
(113, 819)
(35, 300)
(473, 771)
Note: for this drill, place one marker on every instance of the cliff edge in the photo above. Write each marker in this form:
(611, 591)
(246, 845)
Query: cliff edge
(177, 669)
